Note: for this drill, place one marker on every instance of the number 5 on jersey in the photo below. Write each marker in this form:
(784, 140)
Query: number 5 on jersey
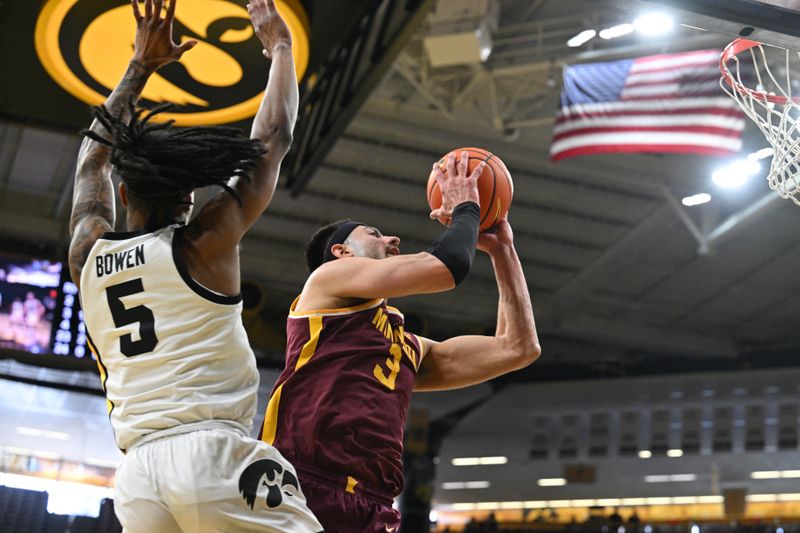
(124, 317)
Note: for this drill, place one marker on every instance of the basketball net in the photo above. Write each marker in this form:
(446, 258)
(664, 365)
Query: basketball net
(770, 105)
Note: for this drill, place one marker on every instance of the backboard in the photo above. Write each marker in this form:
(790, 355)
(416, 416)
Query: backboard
(775, 22)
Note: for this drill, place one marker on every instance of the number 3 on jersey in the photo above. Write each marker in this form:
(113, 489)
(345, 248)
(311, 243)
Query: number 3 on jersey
(393, 364)
(124, 317)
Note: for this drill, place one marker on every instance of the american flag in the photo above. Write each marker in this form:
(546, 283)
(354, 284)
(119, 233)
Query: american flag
(661, 103)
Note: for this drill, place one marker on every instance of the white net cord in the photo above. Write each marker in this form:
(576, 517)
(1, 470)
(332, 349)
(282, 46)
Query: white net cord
(778, 121)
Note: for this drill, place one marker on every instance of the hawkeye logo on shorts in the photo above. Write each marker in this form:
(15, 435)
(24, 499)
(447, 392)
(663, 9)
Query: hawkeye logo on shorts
(85, 47)
(267, 476)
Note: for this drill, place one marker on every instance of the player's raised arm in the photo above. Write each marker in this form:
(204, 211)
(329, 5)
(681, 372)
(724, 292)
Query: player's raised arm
(93, 195)
(466, 360)
(446, 263)
(223, 218)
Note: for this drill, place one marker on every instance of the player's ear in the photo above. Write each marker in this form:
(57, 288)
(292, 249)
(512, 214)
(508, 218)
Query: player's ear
(123, 193)
(340, 250)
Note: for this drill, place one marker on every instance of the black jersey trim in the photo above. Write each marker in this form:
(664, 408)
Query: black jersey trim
(123, 235)
(103, 380)
(194, 285)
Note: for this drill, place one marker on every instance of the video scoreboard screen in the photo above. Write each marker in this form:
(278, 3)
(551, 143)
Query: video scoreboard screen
(40, 312)
(69, 336)
(29, 294)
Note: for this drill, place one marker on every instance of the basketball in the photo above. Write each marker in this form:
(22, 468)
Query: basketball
(494, 186)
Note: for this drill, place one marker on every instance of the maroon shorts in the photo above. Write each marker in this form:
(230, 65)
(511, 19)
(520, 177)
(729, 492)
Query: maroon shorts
(342, 506)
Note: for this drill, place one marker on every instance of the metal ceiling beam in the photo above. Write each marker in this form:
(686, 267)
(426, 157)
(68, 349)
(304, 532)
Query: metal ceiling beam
(618, 52)
(567, 297)
(730, 226)
(742, 219)
(402, 67)
(648, 338)
(383, 117)
(10, 139)
(331, 96)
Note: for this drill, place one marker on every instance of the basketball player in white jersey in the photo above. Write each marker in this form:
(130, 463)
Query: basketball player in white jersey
(162, 303)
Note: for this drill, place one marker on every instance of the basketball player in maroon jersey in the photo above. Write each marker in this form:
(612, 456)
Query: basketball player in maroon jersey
(338, 410)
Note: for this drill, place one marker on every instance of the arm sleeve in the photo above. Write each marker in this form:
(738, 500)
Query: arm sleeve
(455, 247)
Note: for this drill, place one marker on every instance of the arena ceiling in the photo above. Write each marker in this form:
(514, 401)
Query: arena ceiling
(623, 277)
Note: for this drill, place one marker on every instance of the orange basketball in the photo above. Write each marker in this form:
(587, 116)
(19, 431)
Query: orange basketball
(494, 186)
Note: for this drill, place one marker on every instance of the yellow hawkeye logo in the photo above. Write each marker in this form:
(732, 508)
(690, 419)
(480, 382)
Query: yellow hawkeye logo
(85, 46)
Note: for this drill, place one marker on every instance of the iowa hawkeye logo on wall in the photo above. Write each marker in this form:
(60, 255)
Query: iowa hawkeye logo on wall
(85, 46)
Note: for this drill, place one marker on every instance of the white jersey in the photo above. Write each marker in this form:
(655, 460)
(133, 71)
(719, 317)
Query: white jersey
(171, 352)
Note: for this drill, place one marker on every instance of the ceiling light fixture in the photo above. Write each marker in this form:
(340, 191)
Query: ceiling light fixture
(761, 154)
(583, 37)
(552, 482)
(735, 174)
(616, 31)
(653, 24)
(472, 461)
(696, 199)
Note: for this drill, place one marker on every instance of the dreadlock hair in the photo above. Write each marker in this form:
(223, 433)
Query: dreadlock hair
(315, 249)
(160, 164)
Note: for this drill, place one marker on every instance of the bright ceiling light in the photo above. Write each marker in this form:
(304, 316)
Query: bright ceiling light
(455, 485)
(766, 474)
(696, 199)
(761, 497)
(472, 461)
(645, 454)
(35, 432)
(552, 482)
(433, 516)
(675, 452)
(559, 503)
(656, 478)
(583, 37)
(535, 504)
(761, 154)
(735, 174)
(653, 24)
(616, 31)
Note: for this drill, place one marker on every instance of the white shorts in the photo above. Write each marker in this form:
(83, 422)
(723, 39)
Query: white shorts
(213, 480)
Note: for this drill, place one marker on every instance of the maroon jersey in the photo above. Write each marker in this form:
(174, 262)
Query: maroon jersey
(341, 402)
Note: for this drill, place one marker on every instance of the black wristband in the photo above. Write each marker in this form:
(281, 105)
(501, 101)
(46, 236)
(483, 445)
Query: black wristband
(455, 247)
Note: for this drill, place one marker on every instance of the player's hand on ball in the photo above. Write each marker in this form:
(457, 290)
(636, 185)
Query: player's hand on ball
(500, 235)
(268, 25)
(456, 184)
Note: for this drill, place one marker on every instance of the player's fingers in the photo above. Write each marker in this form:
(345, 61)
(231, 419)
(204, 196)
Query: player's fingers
(170, 11)
(148, 8)
(158, 5)
(463, 163)
(451, 165)
(136, 13)
(477, 171)
(440, 214)
(185, 47)
(437, 172)
(270, 4)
